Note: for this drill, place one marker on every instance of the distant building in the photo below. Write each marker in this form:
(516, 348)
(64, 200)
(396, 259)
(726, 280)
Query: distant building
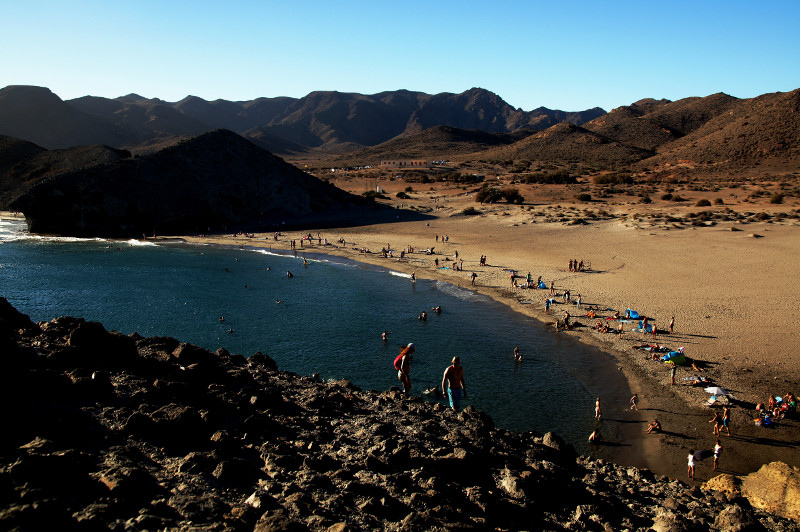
(406, 163)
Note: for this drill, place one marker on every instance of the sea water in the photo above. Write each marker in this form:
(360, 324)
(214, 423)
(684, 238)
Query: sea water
(327, 318)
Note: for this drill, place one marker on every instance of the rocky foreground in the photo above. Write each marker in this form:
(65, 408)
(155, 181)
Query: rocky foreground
(107, 431)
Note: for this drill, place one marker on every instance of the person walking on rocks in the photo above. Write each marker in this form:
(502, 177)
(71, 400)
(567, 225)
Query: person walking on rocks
(453, 383)
(403, 365)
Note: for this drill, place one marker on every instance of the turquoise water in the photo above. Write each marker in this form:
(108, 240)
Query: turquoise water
(329, 320)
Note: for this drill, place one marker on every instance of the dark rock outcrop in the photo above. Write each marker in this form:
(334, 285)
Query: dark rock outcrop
(215, 181)
(158, 443)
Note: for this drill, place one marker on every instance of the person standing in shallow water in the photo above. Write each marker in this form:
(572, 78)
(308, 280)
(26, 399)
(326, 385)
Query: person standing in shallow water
(453, 383)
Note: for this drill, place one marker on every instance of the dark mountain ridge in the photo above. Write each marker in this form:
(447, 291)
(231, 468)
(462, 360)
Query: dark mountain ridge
(701, 131)
(328, 120)
(214, 181)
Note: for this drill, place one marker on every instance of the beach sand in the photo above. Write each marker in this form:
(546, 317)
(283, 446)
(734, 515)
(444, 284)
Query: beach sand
(733, 296)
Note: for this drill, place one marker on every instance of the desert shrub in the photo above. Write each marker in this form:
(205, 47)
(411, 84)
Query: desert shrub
(666, 197)
(372, 195)
(458, 177)
(560, 177)
(776, 198)
(470, 211)
(584, 197)
(487, 194)
(402, 195)
(645, 199)
(719, 201)
(678, 198)
(512, 195)
(614, 178)
(703, 203)
(409, 189)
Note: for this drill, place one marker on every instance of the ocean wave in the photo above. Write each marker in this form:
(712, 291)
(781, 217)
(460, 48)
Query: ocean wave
(456, 291)
(269, 252)
(400, 274)
(134, 242)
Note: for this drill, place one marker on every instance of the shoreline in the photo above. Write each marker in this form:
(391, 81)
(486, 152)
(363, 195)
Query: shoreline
(677, 407)
(755, 372)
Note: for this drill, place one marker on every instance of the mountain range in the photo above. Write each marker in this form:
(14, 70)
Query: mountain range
(332, 122)
(714, 131)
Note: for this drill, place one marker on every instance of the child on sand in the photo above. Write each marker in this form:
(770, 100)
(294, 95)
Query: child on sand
(715, 420)
(717, 452)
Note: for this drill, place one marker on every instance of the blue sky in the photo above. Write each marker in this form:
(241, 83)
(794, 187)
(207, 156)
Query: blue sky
(568, 55)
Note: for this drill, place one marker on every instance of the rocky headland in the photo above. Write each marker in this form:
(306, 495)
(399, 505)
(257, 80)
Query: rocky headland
(214, 181)
(110, 431)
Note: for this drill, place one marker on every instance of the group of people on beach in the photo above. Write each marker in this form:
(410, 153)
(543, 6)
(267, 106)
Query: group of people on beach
(575, 266)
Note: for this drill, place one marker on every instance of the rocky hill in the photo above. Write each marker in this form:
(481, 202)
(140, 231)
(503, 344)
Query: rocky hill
(112, 432)
(568, 142)
(435, 140)
(215, 181)
(744, 130)
(329, 120)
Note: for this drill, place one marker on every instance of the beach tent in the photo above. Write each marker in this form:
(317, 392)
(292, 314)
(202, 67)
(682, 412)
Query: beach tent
(716, 390)
(631, 313)
(542, 285)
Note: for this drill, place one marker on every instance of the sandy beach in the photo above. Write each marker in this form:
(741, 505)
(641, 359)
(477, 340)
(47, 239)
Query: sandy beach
(729, 287)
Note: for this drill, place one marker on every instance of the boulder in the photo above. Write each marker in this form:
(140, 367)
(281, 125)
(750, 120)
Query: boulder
(734, 518)
(774, 488)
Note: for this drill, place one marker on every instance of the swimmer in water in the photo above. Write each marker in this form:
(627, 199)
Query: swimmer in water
(385, 336)
(278, 301)
(289, 274)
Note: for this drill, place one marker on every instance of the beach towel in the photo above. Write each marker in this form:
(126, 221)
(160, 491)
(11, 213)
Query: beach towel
(679, 360)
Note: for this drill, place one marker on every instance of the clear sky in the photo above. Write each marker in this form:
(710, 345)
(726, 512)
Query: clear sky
(560, 54)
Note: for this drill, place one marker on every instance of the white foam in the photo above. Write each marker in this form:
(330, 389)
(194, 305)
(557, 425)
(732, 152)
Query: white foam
(400, 274)
(134, 242)
(269, 252)
(457, 291)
